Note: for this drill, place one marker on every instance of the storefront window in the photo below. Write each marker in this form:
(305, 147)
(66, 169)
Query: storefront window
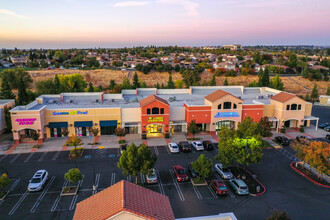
(148, 111)
(219, 106)
(294, 107)
(162, 111)
(288, 107)
(235, 106)
(229, 124)
(299, 107)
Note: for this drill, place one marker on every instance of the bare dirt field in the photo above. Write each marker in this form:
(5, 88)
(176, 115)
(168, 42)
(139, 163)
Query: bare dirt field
(294, 84)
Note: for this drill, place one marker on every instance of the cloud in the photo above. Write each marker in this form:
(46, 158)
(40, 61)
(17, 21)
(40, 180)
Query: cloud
(7, 12)
(130, 4)
(189, 6)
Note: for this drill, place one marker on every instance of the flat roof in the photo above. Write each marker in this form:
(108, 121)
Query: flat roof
(131, 98)
(6, 101)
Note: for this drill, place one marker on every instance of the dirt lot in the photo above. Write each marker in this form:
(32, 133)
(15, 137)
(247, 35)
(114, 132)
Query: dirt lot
(295, 84)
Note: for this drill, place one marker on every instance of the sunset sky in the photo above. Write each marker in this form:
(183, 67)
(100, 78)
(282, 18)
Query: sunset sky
(115, 23)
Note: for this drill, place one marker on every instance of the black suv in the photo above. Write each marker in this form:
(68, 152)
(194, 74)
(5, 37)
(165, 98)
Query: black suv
(282, 140)
(208, 145)
(184, 146)
(192, 172)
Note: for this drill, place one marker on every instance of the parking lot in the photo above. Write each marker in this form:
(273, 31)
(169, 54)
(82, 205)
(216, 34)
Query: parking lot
(285, 189)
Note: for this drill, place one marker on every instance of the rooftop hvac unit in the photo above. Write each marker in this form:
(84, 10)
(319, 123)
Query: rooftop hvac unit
(97, 100)
(269, 96)
(172, 99)
(239, 97)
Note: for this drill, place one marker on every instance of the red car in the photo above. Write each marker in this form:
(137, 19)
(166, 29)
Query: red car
(219, 187)
(180, 173)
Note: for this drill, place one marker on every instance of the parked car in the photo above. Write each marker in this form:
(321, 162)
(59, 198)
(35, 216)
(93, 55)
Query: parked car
(224, 172)
(300, 137)
(123, 147)
(173, 148)
(192, 172)
(323, 125)
(219, 187)
(327, 128)
(327, 136)
(239, 186)
(197, 145)
(180, 173)
(282, 140)
(152, 177)
(208, 145)
(38, 181)
(185, 146)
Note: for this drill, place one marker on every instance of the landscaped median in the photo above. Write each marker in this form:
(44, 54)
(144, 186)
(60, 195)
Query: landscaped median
(255, 187)
(299, 168)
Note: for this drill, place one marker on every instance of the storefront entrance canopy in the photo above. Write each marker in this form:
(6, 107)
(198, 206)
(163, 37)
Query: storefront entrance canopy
(108, 123)
(83, 124)
(58, 124)
(310, 118)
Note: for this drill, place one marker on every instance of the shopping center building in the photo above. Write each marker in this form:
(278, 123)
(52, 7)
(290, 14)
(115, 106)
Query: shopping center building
(157, 111)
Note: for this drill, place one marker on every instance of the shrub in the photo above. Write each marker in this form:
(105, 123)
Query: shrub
(167, 135)
(282, 130)
(73, 175)
(121, 142)
(120, 132)
(36, 146)
(144, 136)
(302, 129)
(193, 139)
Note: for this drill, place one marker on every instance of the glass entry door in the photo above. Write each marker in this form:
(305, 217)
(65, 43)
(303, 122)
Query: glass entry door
(155, 128)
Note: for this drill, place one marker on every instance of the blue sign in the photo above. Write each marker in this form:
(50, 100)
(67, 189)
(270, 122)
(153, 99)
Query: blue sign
(226, 115)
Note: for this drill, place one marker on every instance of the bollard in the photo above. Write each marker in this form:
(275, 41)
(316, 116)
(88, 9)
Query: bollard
(258, 189)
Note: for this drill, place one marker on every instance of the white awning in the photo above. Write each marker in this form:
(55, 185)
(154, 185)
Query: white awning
(273, 119)
(306, 118)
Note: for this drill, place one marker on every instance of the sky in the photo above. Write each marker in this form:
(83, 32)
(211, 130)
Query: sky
(120, 23)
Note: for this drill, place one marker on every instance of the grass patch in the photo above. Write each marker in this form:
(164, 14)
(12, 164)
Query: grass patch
(265, 144)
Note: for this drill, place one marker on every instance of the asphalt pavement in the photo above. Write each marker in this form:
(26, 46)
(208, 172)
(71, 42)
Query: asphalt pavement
(286, 190)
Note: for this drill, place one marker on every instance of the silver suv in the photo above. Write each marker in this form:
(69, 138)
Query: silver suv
(38, 180)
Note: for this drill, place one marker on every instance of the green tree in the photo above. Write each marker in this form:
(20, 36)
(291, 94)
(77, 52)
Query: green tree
(265, 127)
(314, 94)
(6, 91)
(247, 151)
(73, 176)
(112, 84)
(120, 132)
(247, 128)
(305, 73)
(7, 119)
(225, 146)
(293, 61)
(126, 84)
(135, 160)
(192, 127)
(91, 87)
(4, 181)
(203, 166)
(92, 62)
(213, 81)
(57, 85)
(277, 83)
(72, 83)
(225, 83)
(179, 84)
(328, 91)
(22, 94)
(46, 87)
(191, 77)
(35, 135)
(136, 83)
(263, 77)
(278, 215)
(170, 83)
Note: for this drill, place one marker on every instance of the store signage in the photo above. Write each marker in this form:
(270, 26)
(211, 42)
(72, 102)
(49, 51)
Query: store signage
(26, 121)
(70, 113)
(226, 115)
(155, 119)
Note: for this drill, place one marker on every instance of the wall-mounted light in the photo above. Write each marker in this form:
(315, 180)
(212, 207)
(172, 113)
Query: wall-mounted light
(15, 131)
(71, 125)
(95, 124)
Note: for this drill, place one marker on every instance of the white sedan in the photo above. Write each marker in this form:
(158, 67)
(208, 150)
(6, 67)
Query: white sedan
(197, 145)
(38, 181)
(173, 148)
(223, 171)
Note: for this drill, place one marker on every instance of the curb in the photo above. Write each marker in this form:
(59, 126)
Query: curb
(259, 194)
(291, 165)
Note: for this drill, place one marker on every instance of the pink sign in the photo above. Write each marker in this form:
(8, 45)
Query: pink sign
(26, 121)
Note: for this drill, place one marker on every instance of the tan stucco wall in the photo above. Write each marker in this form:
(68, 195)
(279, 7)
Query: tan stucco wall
(95, 115)
(131, 115)
(308, 109)
(215, 110)
(324, 100)
(268, 111)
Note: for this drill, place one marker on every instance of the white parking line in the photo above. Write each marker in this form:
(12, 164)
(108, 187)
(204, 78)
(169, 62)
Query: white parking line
(168, 151)
(42, 156)
(2, 158)
(55, 203)
(14, 185)
(29, 157)
(212, 192)
(15, 158)
(177, 186)
(97, 180)
(156, 150)
(228, 187)
(36, 204)
(12, 211)
(113, 179)
(56, 155)
(160, 184)
(199, 196)
(80, 182)
(73, 202)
